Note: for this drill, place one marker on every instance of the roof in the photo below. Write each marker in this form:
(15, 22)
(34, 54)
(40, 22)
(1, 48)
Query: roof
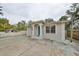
(42, 21)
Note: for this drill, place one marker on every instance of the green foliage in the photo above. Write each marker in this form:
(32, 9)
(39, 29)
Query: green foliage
(1, 13)
(63, 18)
(74, 11)
(49, 20)
(21, 26)
(4, 24)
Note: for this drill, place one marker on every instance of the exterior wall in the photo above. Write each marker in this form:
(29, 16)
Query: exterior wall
(60, 31)
(33, 31)
(29, 31)
(36, 31)
(58, 35)
(50, 36)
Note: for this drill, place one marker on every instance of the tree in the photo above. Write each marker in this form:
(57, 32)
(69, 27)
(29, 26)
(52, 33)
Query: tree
(49, 20)
(73, 13)
(21, 25)
(4, 24)
(1, 10)
(63, 18)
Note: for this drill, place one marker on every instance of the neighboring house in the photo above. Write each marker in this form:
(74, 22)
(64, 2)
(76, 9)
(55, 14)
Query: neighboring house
(53, 30)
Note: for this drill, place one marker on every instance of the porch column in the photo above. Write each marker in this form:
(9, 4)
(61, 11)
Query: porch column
(41, 31)
(33, 30)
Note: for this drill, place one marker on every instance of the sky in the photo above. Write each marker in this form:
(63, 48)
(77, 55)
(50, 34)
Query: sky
(16, 12)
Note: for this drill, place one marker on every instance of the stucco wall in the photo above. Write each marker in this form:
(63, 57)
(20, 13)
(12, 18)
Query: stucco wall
(29, 31)
(60, 31)
(50, 36)
(58, 35)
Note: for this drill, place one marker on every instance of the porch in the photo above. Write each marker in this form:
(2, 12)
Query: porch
(37, 31)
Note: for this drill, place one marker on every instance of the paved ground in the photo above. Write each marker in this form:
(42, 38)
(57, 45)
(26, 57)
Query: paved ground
(24, 46)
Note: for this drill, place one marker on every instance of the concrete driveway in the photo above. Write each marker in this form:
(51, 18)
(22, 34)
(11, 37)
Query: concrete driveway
(25, 46)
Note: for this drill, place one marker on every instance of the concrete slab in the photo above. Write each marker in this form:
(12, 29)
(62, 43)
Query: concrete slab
(25, 46)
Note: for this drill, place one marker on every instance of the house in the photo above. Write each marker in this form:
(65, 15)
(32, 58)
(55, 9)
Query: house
(53, 30)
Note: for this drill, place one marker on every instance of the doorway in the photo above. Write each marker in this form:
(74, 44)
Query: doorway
(38, 30)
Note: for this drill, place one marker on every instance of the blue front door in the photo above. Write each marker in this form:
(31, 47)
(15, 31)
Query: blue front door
(38, 30)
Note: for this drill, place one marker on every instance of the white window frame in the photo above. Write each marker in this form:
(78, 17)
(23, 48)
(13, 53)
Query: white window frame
(51, 29)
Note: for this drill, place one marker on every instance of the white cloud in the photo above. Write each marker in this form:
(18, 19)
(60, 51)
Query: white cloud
(18, 11)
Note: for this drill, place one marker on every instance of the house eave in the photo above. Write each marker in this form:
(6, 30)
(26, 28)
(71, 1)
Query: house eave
(43, 22)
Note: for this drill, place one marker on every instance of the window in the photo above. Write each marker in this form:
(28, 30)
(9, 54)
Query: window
(50, 29)
(47, 29)
(53, 29)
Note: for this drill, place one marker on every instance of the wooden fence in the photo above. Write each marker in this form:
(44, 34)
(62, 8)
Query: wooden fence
(75, 34)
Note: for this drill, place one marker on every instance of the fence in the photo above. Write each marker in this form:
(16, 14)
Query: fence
(75, 34)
